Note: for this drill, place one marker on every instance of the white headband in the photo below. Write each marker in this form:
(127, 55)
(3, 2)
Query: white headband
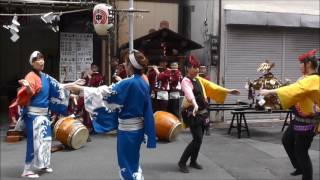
(134, 61)
(33, 55)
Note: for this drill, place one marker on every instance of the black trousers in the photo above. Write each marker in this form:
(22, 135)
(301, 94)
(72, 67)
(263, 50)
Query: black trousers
(297, 146)
(193, 148)
(161, 105)
(154, 104)
(173, 107)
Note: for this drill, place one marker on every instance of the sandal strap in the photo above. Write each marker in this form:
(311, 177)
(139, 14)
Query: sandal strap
(30, 174)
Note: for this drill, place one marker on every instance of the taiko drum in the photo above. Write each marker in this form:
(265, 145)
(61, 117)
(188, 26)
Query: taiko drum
(71, 132)
(167, 125)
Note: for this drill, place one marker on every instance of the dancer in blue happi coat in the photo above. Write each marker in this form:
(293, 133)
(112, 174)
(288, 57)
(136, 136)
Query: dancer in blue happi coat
(126, 106)
(40, 93)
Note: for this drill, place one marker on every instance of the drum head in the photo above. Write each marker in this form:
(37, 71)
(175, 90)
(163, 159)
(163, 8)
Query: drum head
(79, 138)
(175, 131)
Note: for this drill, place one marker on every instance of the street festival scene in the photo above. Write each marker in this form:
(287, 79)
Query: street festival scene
(170, 89)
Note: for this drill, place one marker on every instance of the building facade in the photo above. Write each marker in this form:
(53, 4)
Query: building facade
(252, 31)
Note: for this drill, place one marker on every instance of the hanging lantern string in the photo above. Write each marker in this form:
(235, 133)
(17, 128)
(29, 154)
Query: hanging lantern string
(132, 10)
(74, 11)
(40, 14)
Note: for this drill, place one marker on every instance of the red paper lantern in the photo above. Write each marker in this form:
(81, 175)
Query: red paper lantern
(101, 19)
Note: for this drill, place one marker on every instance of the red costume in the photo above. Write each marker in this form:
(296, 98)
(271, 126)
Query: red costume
(174, 93)
(96, 80)
(175, 80)
(163, 88)
(163, 80)
(13, 113)
(152, 77)
(23, 97)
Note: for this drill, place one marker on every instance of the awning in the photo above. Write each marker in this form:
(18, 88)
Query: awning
(272, 15)
(172, 39)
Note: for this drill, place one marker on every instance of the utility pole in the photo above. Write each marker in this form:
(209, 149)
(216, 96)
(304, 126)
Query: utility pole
(130, 25)
(219, 47)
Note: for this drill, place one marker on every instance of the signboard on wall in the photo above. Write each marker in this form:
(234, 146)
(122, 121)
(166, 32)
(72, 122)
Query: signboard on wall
(76, 55)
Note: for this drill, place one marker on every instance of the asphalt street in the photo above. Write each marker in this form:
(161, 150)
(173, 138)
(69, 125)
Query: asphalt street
(223, 156)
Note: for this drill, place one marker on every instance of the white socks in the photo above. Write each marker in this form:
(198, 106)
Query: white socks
(29, 173)
(47, 170)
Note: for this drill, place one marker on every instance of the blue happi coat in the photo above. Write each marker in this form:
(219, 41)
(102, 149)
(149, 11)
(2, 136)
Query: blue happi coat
(51, 98)
(127, 102)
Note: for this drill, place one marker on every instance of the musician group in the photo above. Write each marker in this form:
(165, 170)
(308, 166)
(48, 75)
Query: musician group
(139, 90)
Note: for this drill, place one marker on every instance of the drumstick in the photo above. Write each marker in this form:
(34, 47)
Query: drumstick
(90, 116)
(75, 101)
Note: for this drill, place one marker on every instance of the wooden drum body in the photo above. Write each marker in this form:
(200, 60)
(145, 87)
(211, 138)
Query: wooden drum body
(167, 125)
(71, 132)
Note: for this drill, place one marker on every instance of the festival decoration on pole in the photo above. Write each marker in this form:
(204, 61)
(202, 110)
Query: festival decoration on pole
(51, 18)
(13, 28)
(103, 18)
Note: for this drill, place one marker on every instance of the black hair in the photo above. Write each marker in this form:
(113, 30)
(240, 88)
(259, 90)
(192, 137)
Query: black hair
(94, 64)
(137, 71)
(315, 64)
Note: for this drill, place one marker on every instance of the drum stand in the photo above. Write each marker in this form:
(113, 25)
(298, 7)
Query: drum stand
(14, 136)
